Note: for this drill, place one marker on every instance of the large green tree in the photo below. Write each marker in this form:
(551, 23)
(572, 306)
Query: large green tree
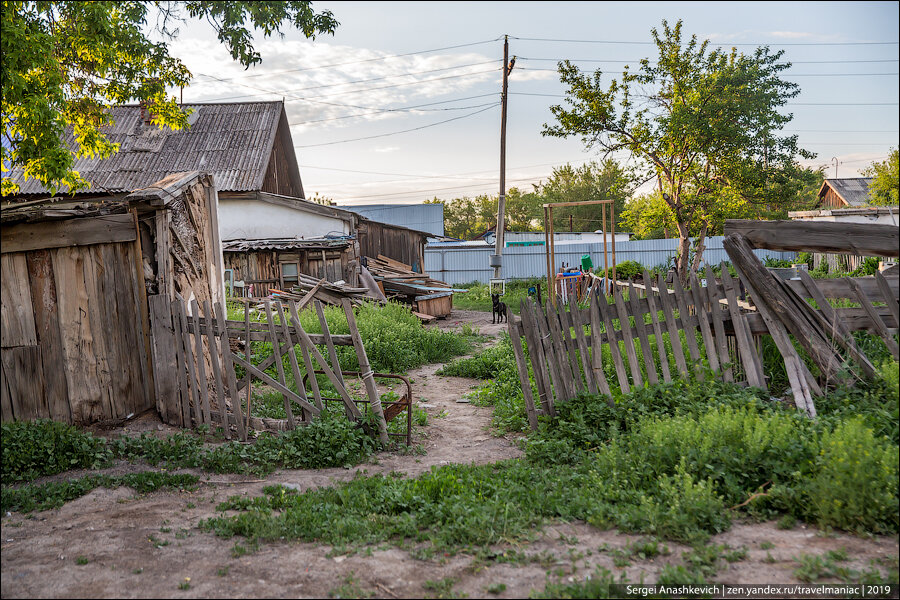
(704, 124)
(65, 63)
(605, 180)
(885, 187)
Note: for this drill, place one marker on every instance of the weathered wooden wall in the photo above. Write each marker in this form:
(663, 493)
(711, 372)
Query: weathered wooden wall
(831, 200)
(399, 243)
(262, 267)
(73, 333)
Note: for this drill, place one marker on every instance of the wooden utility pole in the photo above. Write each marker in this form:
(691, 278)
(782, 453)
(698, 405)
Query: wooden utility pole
(496, 260)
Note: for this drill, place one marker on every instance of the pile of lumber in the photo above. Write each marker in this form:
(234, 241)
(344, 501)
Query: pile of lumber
(310, 288)
(428, 297)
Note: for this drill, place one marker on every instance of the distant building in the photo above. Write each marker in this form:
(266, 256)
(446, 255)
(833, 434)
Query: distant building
(424, 217)
(848, 192)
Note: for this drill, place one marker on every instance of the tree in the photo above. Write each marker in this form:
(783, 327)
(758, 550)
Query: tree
(66, 63)
(885, 185)
(704, 124)
(606, 180)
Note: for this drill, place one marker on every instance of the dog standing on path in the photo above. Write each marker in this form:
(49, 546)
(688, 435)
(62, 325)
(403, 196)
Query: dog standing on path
(498, 309)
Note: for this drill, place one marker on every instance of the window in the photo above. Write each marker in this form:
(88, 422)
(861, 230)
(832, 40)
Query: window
(289, 274)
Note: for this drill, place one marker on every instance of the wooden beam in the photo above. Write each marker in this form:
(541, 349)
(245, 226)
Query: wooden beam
(815, 236)
(70, 232)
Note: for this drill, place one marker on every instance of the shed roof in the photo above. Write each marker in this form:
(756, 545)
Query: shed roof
(231, 141)
(852, 190)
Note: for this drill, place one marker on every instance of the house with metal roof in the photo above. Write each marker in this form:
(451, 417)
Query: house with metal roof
(847, 192)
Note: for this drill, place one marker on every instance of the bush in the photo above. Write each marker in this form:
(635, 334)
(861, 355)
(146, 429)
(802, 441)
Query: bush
(35, 448)
(484, 365)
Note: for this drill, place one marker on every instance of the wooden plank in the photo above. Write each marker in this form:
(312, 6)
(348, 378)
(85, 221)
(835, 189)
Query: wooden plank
(672, 326)
(715, 312)
(77, 333)
(292, 356)
(248, 352)
(558, 352)
(545, 343)
(522, 368)
(836, 327)
(606, 313)
(46, 323)
(229, 372)
(640, 327)
(625, 327)
(367, 374)
(781, 302)
(67, 233)
(657, 330)
(143, 311)
(277, 385)
(24, 383)
(838, 289)
(201, 363)
(216, 368)
(746, 350)
(182, 408)
(703, 317)
(889, 295)
(578, 323)
(16, 313)
(329, 344)
(687, 325)
(597, 345)
(305, 351)
(565, 324)
(536, 352)
(193, 383)
(854, 319)
(280, 366)
(862, 239)
(163, 353)
(879, 327)
(306, 341)
(101, 319)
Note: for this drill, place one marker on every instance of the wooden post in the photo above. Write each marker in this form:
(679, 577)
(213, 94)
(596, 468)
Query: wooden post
(367, 373)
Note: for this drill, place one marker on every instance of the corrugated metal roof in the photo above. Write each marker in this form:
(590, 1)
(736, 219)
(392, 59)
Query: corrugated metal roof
(854, 191)
(285, 244)
(421, 217)
(231, 141)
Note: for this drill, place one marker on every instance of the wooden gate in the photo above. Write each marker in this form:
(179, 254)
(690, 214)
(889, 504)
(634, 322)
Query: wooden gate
(204, 348)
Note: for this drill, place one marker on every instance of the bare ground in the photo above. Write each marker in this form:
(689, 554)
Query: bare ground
(148, 546)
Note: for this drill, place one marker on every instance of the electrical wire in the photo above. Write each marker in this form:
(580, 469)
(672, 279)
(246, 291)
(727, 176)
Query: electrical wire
(711, 43)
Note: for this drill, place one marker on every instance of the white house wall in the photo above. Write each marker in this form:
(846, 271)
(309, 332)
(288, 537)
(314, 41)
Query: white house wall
(253, 220)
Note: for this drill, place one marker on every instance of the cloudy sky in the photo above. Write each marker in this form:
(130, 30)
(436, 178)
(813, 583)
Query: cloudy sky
(402, 104)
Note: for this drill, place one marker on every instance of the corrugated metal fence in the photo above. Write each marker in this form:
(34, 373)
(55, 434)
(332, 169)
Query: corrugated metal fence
(467, 264)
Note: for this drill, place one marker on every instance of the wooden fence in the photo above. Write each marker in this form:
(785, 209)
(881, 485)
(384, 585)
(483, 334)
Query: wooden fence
(204, 349)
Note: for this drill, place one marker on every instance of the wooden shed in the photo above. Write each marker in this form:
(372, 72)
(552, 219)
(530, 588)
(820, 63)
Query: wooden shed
(847, 192)
(401, 244)
(79, 278)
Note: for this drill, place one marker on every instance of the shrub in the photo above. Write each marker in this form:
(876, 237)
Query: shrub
(484, 365)
(35, 448)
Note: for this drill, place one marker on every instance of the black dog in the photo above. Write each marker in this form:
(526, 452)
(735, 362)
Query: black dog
(498, 309)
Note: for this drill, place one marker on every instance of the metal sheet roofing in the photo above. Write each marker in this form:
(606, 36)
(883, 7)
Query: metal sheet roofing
(231, 141)
(854, 191)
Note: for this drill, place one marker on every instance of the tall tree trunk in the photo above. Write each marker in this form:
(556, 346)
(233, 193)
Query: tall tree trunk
(701, 247)
(682, 265)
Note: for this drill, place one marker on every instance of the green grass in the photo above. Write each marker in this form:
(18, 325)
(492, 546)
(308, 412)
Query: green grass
(479, 295)
(667, 461)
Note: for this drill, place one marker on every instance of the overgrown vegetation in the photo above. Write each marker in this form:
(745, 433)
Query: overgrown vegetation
(676, 461)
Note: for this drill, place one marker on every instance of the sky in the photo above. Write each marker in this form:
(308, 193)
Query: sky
(402, 103)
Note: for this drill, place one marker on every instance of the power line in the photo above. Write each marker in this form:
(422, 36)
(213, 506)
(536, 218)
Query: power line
(789, 103)
(636, 43)
(390, 110)
(785, 74)
(356, 62)
(794, 62)
(369, 137)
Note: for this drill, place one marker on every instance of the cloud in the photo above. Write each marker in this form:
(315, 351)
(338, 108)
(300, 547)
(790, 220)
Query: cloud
(793, 35)
(386, 149)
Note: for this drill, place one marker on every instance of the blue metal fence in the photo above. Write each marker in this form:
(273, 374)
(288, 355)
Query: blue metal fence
(470, 263)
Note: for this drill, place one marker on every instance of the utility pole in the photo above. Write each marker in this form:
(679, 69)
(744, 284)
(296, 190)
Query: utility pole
(496, 259)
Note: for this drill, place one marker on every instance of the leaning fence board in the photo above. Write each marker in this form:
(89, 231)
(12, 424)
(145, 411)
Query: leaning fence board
(565, 323)
(279, 387)
(182, 406)
(367, 373)
(672, 326)
(561, 352)
(522, 368)
(625, 328)
(597, 346)
(279, 365)
(578, 323)
(749, 358)
(217, 370)
(703, 317)
(185, 342)
(292, 356)
(536, 353)
(715, 313)
(687, 325)
(606, 313)
(641, 329)
(201, 363)
(549, 355)
(880, 327)
(888, 295)
(229, 373)
(657, 330)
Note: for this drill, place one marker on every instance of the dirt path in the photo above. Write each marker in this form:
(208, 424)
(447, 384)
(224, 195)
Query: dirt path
(112, 543)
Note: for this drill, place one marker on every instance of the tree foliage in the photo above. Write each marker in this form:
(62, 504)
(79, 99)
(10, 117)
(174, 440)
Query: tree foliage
(885, 185)
(66, 63)
(466, 217)
(705, 124)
